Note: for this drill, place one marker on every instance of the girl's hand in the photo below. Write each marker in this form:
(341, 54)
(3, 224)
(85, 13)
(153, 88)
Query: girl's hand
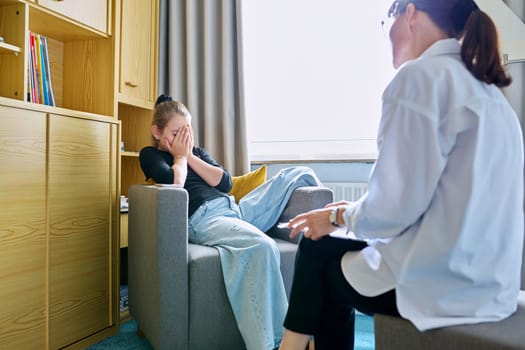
(192, 137)
(181, 144)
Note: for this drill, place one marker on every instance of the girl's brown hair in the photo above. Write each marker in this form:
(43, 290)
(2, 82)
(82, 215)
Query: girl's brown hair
(165, 109)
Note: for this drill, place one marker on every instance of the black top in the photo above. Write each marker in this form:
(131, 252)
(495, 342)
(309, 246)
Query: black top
(156, 165)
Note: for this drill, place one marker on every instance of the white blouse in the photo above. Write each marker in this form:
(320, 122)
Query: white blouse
(444, 208)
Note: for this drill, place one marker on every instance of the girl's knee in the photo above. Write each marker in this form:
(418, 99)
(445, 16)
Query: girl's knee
(268, 246)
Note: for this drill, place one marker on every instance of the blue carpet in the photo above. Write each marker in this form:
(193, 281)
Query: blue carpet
(127, 338)
(364, 332)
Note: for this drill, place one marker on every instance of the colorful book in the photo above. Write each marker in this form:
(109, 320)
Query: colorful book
(35, 92)
(44, 71)
(39, 69)
(40, 87)
(30, 96)
(49, 85)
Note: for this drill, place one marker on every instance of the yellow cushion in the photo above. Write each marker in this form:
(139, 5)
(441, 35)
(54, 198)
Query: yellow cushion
(245, 183)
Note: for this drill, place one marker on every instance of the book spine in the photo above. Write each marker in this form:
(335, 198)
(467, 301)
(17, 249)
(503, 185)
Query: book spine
(35, 89)
(43, 70)
(29, 72)
(51, 95)
(39, 69)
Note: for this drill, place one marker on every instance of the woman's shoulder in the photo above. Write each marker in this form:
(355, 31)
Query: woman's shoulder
(424, 77)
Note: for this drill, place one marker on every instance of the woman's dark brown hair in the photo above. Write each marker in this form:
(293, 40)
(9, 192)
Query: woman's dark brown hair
(463, 20)
(480, 50)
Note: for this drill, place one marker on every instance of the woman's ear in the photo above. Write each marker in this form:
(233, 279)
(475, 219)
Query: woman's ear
(410, 13)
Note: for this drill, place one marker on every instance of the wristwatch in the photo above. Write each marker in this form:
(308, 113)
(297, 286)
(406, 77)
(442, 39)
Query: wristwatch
(333, 217)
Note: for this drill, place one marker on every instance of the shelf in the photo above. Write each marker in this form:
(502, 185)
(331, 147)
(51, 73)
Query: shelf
(45, 22)
(136, 102)
(129, 154)
(8, 48)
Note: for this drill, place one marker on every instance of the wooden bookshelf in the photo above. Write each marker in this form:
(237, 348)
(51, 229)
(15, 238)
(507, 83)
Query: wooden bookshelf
(60, 192)
(103, 68)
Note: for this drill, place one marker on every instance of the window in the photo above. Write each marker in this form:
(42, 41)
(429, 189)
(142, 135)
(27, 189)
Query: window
(314, 75)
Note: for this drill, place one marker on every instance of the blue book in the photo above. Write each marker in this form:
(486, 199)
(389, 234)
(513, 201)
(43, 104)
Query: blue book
(44, 73)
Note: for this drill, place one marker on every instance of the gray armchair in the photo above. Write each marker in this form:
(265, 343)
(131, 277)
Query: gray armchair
(175, 289)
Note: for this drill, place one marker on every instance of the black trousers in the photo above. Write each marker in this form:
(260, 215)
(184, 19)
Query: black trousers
(322, 302)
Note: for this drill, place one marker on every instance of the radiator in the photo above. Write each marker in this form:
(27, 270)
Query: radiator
(349, 191)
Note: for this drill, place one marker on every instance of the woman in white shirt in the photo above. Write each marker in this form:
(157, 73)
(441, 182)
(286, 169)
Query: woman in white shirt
(440, 231)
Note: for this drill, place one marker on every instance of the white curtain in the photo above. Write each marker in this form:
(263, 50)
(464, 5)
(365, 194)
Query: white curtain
(516, 91)
(200, 64)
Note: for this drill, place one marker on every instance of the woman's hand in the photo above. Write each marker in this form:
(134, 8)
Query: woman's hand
(314, 224)
(337, 204)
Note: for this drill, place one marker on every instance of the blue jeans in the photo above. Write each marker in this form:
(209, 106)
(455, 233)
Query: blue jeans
(250, 259)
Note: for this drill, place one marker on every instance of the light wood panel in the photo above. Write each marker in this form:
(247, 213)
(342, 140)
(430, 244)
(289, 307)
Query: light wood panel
(92, 13)
(12, 73)
(45, 22)
(88, 76)
(136, 124)
(131, 174)
(123, 230)
(60, 172)
(114, 215)
(22, 229)
(138, 49)
(80, 229)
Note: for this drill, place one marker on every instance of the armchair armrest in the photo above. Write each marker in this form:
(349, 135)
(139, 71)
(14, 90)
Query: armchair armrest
(303, 199)
(158, 261)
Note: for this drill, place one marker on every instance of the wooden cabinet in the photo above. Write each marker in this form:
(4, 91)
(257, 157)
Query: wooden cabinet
(81, 184)
(61, 165)
(58, 227)
(59, 194)
(138, 52)
(22, 229)
(93, 13)
(138, 44)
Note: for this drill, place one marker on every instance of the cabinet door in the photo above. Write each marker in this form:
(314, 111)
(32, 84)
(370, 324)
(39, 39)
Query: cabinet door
(93, 13)
(80, 195)
(22, 229)
(137, 49)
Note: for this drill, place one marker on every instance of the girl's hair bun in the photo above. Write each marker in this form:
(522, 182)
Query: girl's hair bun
(162, 98)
